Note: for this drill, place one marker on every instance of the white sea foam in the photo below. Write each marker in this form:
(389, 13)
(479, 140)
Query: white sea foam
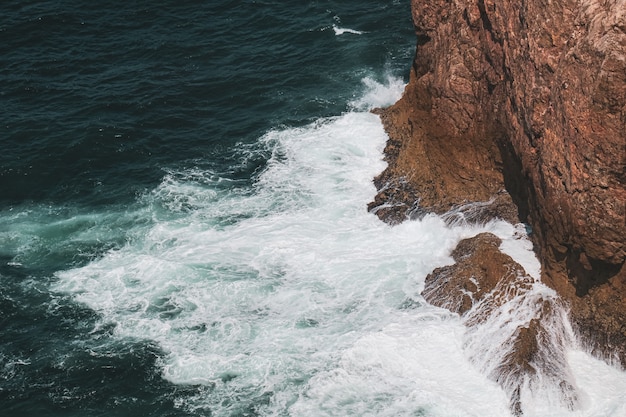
(376, 94)
(516, 244)
(289, 298)
(340, 31)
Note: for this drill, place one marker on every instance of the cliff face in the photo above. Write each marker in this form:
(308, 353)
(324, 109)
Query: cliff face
(524, 102)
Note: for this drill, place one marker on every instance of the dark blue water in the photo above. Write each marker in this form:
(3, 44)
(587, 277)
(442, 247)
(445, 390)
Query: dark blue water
(98, 99)
(102, 100)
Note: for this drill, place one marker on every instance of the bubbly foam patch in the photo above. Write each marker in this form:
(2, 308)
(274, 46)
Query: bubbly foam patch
(287, 297)
(378, 95)
(340, 31)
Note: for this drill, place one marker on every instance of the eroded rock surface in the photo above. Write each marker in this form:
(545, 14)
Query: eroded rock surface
(516, 333)
(527, 97)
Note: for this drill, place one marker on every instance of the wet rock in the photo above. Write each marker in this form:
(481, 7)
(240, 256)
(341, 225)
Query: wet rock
(525, 99)
(479, 267)
(516, 331)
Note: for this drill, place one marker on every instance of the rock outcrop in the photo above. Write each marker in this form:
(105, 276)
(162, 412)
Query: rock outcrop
(525, 103)
(516, 333)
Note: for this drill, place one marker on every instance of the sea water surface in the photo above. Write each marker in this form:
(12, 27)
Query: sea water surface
(183, 223)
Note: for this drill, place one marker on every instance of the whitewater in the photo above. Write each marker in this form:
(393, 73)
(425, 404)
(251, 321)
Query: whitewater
(286, 297)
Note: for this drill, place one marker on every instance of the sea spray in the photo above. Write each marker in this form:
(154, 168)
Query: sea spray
(253, 292)
(519, 336)
(286, 297)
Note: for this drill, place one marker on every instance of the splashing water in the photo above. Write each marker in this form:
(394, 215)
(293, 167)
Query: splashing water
(287, 297)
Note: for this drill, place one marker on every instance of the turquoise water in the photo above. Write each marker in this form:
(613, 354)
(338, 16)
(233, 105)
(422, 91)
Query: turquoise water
(183, 224)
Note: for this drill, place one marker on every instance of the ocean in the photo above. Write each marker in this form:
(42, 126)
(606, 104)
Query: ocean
(184, 227)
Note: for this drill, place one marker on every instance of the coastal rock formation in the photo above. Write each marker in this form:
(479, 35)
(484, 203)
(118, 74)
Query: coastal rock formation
(522, 346)
(523, 102)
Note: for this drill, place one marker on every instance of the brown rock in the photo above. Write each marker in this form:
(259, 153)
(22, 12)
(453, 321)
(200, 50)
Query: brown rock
(490, 291)
(479, 267)
(529, 97)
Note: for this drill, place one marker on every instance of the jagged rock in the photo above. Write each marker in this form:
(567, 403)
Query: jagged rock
(479, 267)
(527, 97)
(515, 332)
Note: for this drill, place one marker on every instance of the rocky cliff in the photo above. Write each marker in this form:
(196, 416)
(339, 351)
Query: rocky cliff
(517, 110)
